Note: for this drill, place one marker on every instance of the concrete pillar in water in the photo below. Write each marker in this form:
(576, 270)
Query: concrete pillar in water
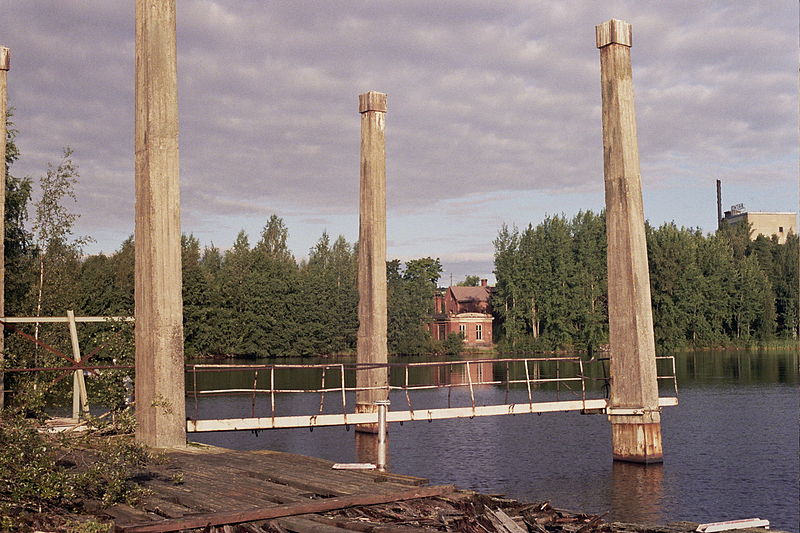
(372, 311)
(160, 403)
(4, 66)
(635, 438)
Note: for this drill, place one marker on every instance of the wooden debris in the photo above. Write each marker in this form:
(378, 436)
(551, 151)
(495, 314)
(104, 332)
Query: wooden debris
(728, 525)
(313, 506)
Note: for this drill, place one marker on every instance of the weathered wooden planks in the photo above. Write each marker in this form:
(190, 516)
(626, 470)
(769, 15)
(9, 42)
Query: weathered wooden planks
(206, 480)
(279, 511)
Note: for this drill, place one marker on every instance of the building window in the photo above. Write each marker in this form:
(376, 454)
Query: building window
(462, 329)
(478, 332)
(780, 229)
(441, 332)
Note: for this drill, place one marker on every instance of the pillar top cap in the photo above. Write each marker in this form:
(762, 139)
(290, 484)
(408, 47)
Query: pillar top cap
(613, 31)
(5, 58)
(372, 101)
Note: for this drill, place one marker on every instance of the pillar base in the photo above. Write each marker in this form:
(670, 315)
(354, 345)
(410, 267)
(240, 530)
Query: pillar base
(637, 442)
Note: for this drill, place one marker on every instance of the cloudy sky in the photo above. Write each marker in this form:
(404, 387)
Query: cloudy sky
(494, 113)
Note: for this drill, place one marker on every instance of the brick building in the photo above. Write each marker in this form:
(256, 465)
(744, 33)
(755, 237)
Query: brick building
(464, 310)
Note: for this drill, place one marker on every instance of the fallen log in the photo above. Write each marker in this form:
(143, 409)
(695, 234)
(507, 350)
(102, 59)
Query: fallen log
(317, 506)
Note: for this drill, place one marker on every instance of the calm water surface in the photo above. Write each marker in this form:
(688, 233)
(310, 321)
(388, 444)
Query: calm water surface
(731, 448)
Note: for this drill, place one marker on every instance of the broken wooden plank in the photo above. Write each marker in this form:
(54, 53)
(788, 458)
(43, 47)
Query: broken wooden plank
(166, 508)
(728, 525)
(507, 522)
(328, 504)
(301, 524)
(121, 511)
(353, 466)
(365, 526)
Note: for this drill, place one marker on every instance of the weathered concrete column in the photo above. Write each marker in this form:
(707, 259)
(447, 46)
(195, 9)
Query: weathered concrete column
(372, 317)
(160, 403)
(634, 385)
(5, 63)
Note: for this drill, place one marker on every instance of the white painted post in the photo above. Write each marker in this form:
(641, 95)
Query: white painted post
(383, 408)
(80, 401)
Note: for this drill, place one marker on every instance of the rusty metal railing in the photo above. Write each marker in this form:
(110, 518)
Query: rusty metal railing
(577, 383)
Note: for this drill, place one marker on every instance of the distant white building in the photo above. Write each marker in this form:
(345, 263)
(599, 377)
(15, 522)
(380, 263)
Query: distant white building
(766, 223)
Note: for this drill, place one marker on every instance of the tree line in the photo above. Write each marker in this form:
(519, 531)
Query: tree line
(251, 300)
(707, 290)
(258, 300)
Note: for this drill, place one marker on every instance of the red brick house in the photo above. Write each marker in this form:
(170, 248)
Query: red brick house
(464, 310)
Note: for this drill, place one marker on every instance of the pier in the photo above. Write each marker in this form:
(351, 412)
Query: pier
(200, 485)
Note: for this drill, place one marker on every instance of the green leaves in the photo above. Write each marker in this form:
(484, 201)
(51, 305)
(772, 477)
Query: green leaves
(550, 290)
(706, 290)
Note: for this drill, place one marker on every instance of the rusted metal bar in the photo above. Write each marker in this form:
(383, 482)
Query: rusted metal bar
(355, 366)
(272, 390)
(63, 319)
(253, 403)
(528, 381)
(471, 390)
(68, 368)
(194, 380)
(583, 385)
(507, 383)
(322, 391)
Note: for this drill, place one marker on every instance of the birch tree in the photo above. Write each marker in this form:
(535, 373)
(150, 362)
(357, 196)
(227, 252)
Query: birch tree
(53, 225)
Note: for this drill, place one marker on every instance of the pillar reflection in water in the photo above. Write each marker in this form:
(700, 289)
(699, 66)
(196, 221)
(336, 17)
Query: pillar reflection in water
(637, 491)
(367, 448)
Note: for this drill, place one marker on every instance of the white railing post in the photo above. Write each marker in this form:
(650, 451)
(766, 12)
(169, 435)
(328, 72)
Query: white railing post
(80, 401)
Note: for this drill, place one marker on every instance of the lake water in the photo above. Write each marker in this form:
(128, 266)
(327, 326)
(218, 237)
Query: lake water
(731, 448)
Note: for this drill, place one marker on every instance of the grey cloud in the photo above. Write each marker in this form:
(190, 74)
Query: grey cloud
(482, 97)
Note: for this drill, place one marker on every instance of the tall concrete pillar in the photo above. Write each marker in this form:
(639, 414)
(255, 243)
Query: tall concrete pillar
(5, 63)
(372, 310)
(160, 403)
(635, 437)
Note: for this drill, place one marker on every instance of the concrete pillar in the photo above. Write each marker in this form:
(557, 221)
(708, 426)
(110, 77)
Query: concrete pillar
(635, 438)
(160, 403)
(5, 63)
(372, 317)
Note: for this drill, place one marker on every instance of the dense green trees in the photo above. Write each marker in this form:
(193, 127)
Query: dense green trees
(17, 237)
(411, 292)
(707, 290)
(258, 301)
(551, 283)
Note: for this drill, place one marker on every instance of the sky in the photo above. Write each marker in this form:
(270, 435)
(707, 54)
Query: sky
(493, 113)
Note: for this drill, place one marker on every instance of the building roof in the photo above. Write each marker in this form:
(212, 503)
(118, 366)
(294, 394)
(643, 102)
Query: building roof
(471, 294)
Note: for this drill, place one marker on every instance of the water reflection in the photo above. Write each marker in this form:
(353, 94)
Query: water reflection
(637, 491)
(731, 447)
(457, 374)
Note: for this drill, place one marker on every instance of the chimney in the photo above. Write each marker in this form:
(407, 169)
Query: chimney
(484, 282)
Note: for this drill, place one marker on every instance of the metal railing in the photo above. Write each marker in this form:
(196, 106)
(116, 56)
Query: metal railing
(469, 377)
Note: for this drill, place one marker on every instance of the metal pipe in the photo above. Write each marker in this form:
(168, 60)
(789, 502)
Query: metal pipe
(383, 408)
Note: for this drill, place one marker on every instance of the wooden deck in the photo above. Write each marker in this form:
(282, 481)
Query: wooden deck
(200, 485)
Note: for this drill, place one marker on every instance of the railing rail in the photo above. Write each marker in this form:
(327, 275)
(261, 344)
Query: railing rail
(470, 379)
